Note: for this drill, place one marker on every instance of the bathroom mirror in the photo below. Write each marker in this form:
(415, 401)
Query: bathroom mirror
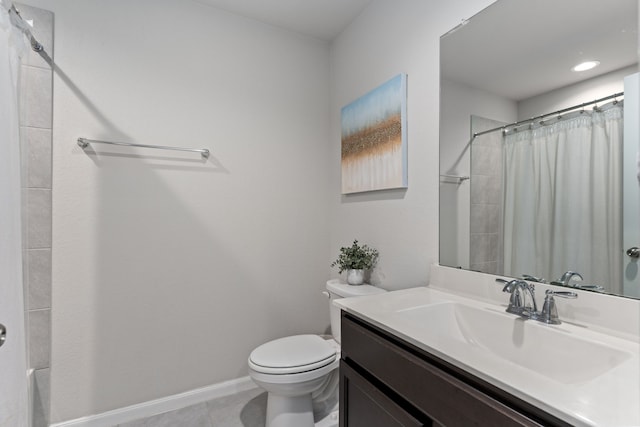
(538, 214)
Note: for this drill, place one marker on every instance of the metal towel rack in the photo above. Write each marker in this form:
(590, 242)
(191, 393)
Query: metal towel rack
(84, 143)
(453, 179)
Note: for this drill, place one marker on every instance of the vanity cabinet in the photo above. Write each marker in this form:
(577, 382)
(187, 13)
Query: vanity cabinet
(386, 381)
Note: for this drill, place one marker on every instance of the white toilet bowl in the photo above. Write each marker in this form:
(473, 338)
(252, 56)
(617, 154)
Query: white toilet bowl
(294, 370)
(301, 372)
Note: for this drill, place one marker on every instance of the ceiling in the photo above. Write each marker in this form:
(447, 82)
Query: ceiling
(521, 48)
(323, 19)
(563, 33)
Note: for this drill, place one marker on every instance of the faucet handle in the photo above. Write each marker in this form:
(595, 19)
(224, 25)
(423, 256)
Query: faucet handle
(533, 278)
(549, 313)
(562, 294)
(511, 285)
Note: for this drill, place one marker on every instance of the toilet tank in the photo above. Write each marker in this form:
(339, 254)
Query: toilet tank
(338, 289)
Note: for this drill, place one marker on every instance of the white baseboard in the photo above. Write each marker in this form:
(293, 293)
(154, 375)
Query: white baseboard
(159, 406)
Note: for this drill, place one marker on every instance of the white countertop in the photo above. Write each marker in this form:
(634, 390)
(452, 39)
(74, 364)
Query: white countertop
(610, 397)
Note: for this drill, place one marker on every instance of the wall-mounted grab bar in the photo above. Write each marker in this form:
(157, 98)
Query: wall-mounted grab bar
(84, 143)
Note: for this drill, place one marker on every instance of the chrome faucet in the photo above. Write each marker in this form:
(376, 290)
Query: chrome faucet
(522, 291)
(566, 278)
(522, 301)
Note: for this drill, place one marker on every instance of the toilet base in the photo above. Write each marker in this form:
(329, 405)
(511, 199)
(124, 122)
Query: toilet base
(330, 420)
(289, 411)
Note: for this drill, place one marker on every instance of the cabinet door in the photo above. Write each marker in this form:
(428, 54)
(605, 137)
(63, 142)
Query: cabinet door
(363, 405)
(450, 400)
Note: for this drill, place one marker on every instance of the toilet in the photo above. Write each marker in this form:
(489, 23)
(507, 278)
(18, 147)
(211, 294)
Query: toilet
(300, 372)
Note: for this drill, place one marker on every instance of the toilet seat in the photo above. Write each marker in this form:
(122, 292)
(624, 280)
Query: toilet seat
(292, 355)
(301, 373)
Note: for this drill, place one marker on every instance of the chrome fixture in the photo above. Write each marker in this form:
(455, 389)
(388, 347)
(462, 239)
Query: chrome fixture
(453, 179)
(595, 288)
(84, 143)
(566, 278)
(24, 27)
(520, 291)
(633, 252)
(514, 126)
(533, 278)
(549, 313)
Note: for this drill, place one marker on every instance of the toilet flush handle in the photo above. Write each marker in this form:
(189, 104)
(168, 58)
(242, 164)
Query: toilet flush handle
(326, 294)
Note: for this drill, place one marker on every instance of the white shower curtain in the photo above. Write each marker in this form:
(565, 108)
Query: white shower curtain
(13, 367)
(563, 198)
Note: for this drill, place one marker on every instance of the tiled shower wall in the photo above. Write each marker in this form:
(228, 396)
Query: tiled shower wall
(486, 224)
(36, 103)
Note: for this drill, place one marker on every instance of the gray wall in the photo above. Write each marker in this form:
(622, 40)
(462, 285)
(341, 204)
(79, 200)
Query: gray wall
(388, 38)
(168, 271)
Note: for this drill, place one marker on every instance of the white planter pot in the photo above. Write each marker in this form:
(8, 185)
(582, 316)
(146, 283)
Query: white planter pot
(355, 277)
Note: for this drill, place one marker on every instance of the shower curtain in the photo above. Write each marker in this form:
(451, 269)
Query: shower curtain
(562, 199)
(13, 365)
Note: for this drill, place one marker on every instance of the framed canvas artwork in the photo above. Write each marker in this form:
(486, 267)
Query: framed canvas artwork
(374, 139)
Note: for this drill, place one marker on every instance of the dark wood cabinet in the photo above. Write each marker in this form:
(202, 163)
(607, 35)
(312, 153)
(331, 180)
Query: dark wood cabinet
(386, 382)
(369, 406)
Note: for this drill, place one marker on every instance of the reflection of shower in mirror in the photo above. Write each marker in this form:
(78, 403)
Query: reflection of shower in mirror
(551, 194)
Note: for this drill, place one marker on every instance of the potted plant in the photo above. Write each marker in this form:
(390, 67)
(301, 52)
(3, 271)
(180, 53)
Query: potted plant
(355, 259)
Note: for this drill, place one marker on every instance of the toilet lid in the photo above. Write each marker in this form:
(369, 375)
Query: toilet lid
(293, 354)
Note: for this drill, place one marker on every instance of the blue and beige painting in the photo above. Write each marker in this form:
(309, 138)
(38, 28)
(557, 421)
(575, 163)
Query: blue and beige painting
(374, 143)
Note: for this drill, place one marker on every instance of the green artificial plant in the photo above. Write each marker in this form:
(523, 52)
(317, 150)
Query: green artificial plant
(356, 257)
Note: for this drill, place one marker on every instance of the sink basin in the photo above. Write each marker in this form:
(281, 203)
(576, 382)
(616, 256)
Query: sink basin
(543, 349)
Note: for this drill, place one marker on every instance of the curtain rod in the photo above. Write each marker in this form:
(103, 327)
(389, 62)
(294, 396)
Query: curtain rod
(564, 110)
(24, 27)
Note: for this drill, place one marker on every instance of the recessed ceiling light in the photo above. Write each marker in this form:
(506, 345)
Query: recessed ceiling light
(587, 65)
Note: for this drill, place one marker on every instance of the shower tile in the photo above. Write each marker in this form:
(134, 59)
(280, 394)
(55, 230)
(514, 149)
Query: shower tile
(486, 189)
(39, 278)
(25, 218)
(42, 31)
(486, 160)
(36, 97)
(38, 218)
(484, 248)
(37, 156)
(24, 157)
(41, 398)
(485, 218)
(39, 338)
(191, 416)
(500, 249)
(25, 276)
(246, 409)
